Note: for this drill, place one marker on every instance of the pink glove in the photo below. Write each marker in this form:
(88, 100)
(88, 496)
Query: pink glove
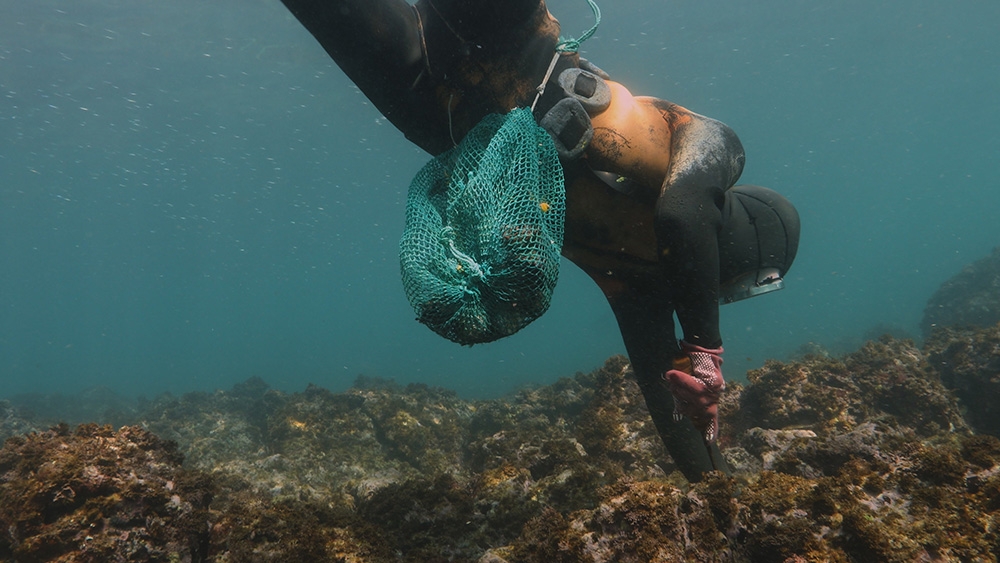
(696, 383)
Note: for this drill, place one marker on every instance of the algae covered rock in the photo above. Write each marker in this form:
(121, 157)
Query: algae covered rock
(97, 494)
(319, 445)
(866, 457)
(969, 363)
(251, 527)
(886, 381)
(970, 299)
(632, 522)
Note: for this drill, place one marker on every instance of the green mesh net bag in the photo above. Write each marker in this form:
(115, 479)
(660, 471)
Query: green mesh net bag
(484, 230)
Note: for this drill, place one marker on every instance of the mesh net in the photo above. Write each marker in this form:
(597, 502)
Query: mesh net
(484, 229)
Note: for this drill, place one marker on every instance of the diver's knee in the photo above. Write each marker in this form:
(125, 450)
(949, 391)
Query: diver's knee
(757, 243)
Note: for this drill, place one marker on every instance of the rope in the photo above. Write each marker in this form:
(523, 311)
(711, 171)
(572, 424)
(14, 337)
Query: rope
(540, 89)
(571, 45)
(567, 46)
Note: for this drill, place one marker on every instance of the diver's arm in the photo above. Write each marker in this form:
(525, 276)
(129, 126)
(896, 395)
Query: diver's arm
(706, 160)
(645, 317)
(687, 224)
(684, 162)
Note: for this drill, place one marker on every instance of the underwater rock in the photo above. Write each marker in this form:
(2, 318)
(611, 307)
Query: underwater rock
(220, 433)
(969, 299)
(318, 445)
(249, 527)
(98, 495)
(867, 459)
(13, 422)
(632, 522)
(969, 363)
(879, 383)
(861, 458)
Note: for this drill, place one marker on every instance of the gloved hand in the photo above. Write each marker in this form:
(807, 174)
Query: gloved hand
(696, 384)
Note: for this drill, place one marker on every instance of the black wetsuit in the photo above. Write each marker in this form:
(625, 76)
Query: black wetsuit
(436, 68)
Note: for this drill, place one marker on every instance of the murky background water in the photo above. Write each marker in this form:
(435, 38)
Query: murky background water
(191, 193)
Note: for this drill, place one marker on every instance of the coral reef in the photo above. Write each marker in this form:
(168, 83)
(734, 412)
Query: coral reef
(969, 299)
(868, 457)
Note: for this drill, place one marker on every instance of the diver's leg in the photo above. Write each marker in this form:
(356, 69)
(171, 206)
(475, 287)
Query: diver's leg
(647, 327)
(475, 20)
(357, 33)
(377, 43)
(435, 68)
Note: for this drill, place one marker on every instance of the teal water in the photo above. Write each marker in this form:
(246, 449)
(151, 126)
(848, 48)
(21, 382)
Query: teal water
(191, 193)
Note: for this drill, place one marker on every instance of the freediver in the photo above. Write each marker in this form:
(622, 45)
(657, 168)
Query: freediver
(652, 214)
